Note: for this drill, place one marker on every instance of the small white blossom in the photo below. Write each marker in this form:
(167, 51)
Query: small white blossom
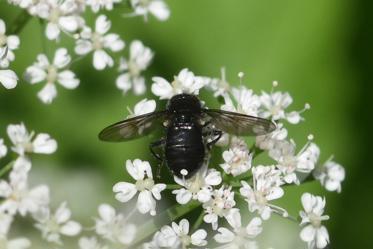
(24, 142)
(157, 8)
(184, 82)
(220, 204)
(90, 243)
(143, 107)
(3, 148)
(17, 243)
(271, 140)
(8, 78)
(331, 175)
(8, 43)
(266, 187)
(247, 102)
(17, 196)
(52, 73)
(148, 191)
(274, 105)
(198, 187)
(99, 42)
(60, 16)
(289, 162)
(114, 227)
(177, 236)
(140, 58)
(240, 237)
(219, 86)
(52, 226)
(313, 232)
(97, 5)
(237, 159)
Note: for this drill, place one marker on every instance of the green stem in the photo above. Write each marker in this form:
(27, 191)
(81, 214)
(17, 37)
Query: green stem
(172, 186)
(165, 217)
(199, 220)
(6, 168)
(19, 22)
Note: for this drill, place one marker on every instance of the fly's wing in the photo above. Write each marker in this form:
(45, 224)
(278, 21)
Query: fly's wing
(133, 127)
(239, 124)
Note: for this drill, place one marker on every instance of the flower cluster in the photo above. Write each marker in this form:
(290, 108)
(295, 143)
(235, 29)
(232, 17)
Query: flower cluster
(67, 19)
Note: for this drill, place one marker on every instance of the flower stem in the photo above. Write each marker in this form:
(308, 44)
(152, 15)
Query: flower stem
(20, 22)
(172, 186)
(198, 221)
(167, 216)
(6, 168)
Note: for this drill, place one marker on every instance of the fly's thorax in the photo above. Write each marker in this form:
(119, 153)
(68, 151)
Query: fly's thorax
(184, 104)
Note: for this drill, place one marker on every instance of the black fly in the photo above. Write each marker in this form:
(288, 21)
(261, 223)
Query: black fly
(186, 141)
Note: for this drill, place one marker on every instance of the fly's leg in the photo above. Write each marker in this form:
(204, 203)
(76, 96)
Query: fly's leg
(159, 156)
(217, 135)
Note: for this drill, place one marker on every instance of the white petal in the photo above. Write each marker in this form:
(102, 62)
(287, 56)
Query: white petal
(83, 47)
(213, 178)
(161, 88)
(159, 9)
(198, 237)
(102, 24)
(47, 93)
(101, 60)
(52, 31)
(145, 202)
(107, 212)
(139, 87)
(113, 42)
(322, 237)
(2, 27)
(184, 226)
(128, 234)
(133, 169)
(123, 82)
(254, 227)
(157, 189)
(182, 196)
(67, 79)
(71, 228)
(224, 235)
(34, 74)
(5, 189)
(68, 23)
(44, 144)
(234, 219)
(307, 202)
(125, 191)
(204, 195)
(8, 79)
(61, 58)
(13, 42)
(144, 106)
(63, 213)
(308, 233)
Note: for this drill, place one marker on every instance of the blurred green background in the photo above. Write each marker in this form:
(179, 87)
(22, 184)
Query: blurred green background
(319, 51)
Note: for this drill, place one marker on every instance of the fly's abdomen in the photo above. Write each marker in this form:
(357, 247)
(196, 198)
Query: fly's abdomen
(184, 149)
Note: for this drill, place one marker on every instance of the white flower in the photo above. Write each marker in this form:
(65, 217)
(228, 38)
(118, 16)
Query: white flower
(140, 58)
(247, 102)
(269, 141)
(114, 227)
(289, 162)
(331, 175)
(177, 236)
(142, 173)
(157, 8)
(274, 105)
(240, 237)
(24, 142)
(90, 243)
(3, 148)
(266, 187)
(198, 187)
(17, 196)
(53, 226)
(60, 16)
(8, 43)
(184, 82)
(8, 78)
(220, 204)
(313, 232)
(219, 86)
(99, 42)
(51, 73)
(238, 158)
(97, 5)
